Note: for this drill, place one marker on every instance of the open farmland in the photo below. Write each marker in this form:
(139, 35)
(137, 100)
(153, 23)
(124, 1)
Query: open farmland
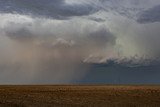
(79, 96)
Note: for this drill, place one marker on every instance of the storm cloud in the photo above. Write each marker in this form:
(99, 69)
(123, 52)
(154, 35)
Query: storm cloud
(149, 16)
(57, 9)
(49, 51)
(57, 41)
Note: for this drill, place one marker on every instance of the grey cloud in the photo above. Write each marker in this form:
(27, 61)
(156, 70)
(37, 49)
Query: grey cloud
(97, 19)
(149, 16)
(127, 8)
(18, 32)
(102, 36)
(47, 8)
(59, 9)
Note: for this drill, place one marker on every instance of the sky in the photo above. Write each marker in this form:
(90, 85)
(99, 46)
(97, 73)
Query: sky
(79, 41)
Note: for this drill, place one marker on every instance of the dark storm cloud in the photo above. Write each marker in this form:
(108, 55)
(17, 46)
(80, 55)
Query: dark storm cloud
(149, 16)
(48, 8)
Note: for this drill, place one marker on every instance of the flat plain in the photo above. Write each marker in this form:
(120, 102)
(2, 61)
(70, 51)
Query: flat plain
(79, 96)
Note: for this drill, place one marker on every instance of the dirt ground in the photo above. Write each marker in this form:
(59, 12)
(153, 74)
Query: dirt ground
(79, 96)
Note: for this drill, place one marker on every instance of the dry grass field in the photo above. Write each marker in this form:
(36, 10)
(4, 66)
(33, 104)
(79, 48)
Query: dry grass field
(79, 96)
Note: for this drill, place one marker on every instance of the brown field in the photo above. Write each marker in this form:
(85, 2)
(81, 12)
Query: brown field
(79, 96)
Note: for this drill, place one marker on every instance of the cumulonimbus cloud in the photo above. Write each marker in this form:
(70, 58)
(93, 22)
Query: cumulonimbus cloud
(49, 51)
(37, 46)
